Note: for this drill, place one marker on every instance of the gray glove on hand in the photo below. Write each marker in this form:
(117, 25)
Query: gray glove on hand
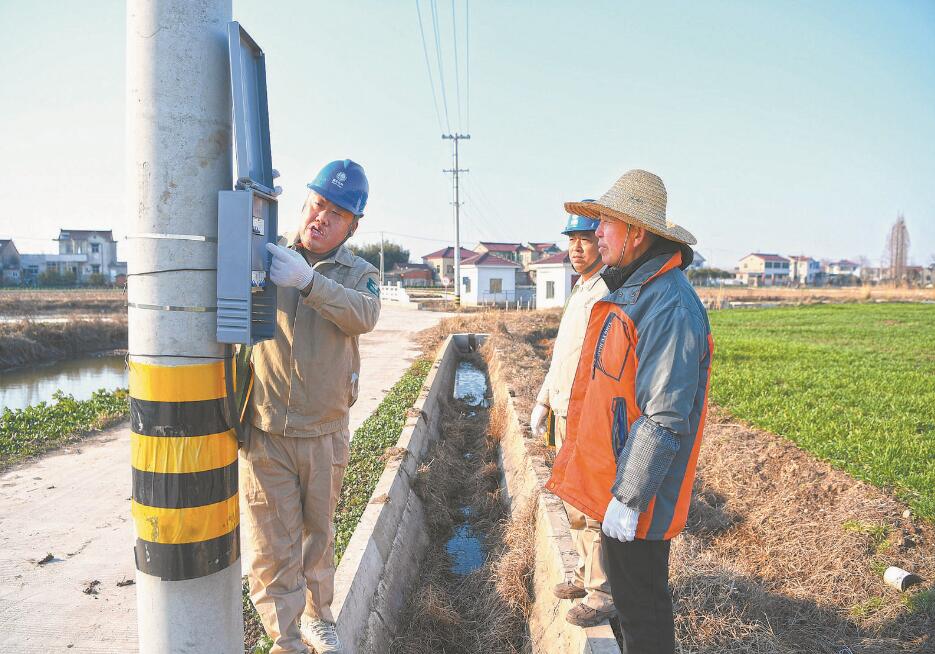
(289, 268)
(537, 419)
(620, 521)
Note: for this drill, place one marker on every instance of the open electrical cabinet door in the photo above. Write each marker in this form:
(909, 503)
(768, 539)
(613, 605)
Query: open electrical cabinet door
(247, 222)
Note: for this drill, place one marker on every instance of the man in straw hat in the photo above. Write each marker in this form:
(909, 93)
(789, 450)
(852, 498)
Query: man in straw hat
(638, 403)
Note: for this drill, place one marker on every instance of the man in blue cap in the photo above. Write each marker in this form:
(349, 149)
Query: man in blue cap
(305, 383)
(590, 583)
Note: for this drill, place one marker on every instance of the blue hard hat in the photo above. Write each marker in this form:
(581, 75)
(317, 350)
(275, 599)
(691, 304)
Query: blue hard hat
(343, 182)
(580, 223)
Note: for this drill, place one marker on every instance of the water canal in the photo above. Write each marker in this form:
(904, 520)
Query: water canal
(22, 387)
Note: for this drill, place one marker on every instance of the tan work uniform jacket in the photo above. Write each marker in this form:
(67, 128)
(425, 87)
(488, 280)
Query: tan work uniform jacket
(306, 376)
(556, 389)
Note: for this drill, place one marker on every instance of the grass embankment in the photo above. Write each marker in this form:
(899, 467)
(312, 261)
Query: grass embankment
(365, 465)
(43, 427)
(25, 342)
(62, 301)
(853, 384)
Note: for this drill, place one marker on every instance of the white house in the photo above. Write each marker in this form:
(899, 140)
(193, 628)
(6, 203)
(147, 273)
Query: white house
(698, 262)
(554, 279)
(760, 269)
(488, 279)
(843, 267)
(804, 270)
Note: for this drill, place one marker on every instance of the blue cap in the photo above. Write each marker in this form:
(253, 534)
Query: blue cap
(580, 223)
(344, 183)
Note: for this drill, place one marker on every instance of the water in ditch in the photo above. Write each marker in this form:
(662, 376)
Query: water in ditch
(22, 387)
(465, 547)
(471, 384)
(472, 589)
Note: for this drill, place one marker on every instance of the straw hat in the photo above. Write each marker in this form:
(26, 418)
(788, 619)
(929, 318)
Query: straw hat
(638, 198)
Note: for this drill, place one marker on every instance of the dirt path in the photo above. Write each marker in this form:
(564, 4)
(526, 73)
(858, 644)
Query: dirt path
(75, 505)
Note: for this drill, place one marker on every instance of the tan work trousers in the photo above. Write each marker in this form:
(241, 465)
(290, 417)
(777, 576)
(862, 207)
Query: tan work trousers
(586, 533)
(290, 488)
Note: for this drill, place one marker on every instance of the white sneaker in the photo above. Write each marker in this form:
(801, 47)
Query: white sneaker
(321, 635)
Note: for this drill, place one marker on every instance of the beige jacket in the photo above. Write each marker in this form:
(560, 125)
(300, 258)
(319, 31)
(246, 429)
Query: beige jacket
(556, 389)
(306, 376)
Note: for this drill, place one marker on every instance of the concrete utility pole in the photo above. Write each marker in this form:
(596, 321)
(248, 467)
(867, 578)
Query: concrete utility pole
(457, 204)
(184, 457)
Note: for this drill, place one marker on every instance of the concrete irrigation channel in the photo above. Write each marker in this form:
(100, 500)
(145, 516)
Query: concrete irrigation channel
(383, 573)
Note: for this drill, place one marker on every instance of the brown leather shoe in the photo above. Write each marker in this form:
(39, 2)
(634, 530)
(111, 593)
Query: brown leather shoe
(582, 615)
(568, 590)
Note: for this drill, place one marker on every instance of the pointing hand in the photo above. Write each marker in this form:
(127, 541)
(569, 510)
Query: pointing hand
(289, 267)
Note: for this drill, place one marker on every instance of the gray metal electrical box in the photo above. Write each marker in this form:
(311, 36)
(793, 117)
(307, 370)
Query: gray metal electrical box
(247, 215)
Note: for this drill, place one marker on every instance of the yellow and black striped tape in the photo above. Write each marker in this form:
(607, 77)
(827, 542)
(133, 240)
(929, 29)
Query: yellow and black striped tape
(184, 458)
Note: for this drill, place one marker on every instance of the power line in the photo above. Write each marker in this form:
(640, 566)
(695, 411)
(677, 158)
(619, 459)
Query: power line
(421, 238)
(428, 68)
(467, 63)
(441, 70)
(454, 34)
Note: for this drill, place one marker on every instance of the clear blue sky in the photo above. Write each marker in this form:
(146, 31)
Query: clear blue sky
(790, 127)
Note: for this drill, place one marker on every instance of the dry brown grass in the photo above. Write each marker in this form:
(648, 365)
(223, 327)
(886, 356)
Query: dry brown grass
(782, 553)
(91, 301)
(816, 295)
(26, 342)
(485, 610)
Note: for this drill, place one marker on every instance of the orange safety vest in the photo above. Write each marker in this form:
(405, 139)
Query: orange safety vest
(604, 399)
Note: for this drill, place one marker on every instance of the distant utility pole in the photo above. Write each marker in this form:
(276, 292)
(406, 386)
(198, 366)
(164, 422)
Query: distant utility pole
(457, 204)
(381, 259)
(183, 453)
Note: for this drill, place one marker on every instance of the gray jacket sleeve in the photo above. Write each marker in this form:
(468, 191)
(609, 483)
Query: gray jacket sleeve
(354, 310)
(670, 348)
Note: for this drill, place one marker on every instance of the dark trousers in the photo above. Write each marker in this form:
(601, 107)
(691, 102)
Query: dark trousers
(639, 581)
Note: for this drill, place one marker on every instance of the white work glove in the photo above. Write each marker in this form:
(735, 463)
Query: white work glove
(537, 419)
(620, 521)
(289, 268)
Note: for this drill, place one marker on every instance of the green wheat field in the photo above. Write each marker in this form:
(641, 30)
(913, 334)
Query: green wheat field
(854, 384)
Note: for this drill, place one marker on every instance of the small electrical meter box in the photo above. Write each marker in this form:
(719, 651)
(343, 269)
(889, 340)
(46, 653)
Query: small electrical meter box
(247, 215)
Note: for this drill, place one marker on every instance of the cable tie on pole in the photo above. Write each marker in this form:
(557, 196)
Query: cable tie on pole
(169, 307)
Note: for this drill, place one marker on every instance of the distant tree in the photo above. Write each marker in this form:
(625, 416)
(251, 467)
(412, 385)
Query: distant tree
(96, 279)
(393, 253)
(896, 254)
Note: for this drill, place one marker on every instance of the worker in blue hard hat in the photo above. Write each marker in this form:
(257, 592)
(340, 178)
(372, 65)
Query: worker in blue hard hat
(590, 583)
(305, 383)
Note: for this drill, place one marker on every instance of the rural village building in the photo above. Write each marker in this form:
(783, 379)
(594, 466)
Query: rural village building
(81, 254)
(554, 280)
(410, 274)
(9, 262)
(760, 269)
(443, 262)
(537, 251)
(510, 251)
(804, 270)
(698, 262)
(843, 267)
(488, 279)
